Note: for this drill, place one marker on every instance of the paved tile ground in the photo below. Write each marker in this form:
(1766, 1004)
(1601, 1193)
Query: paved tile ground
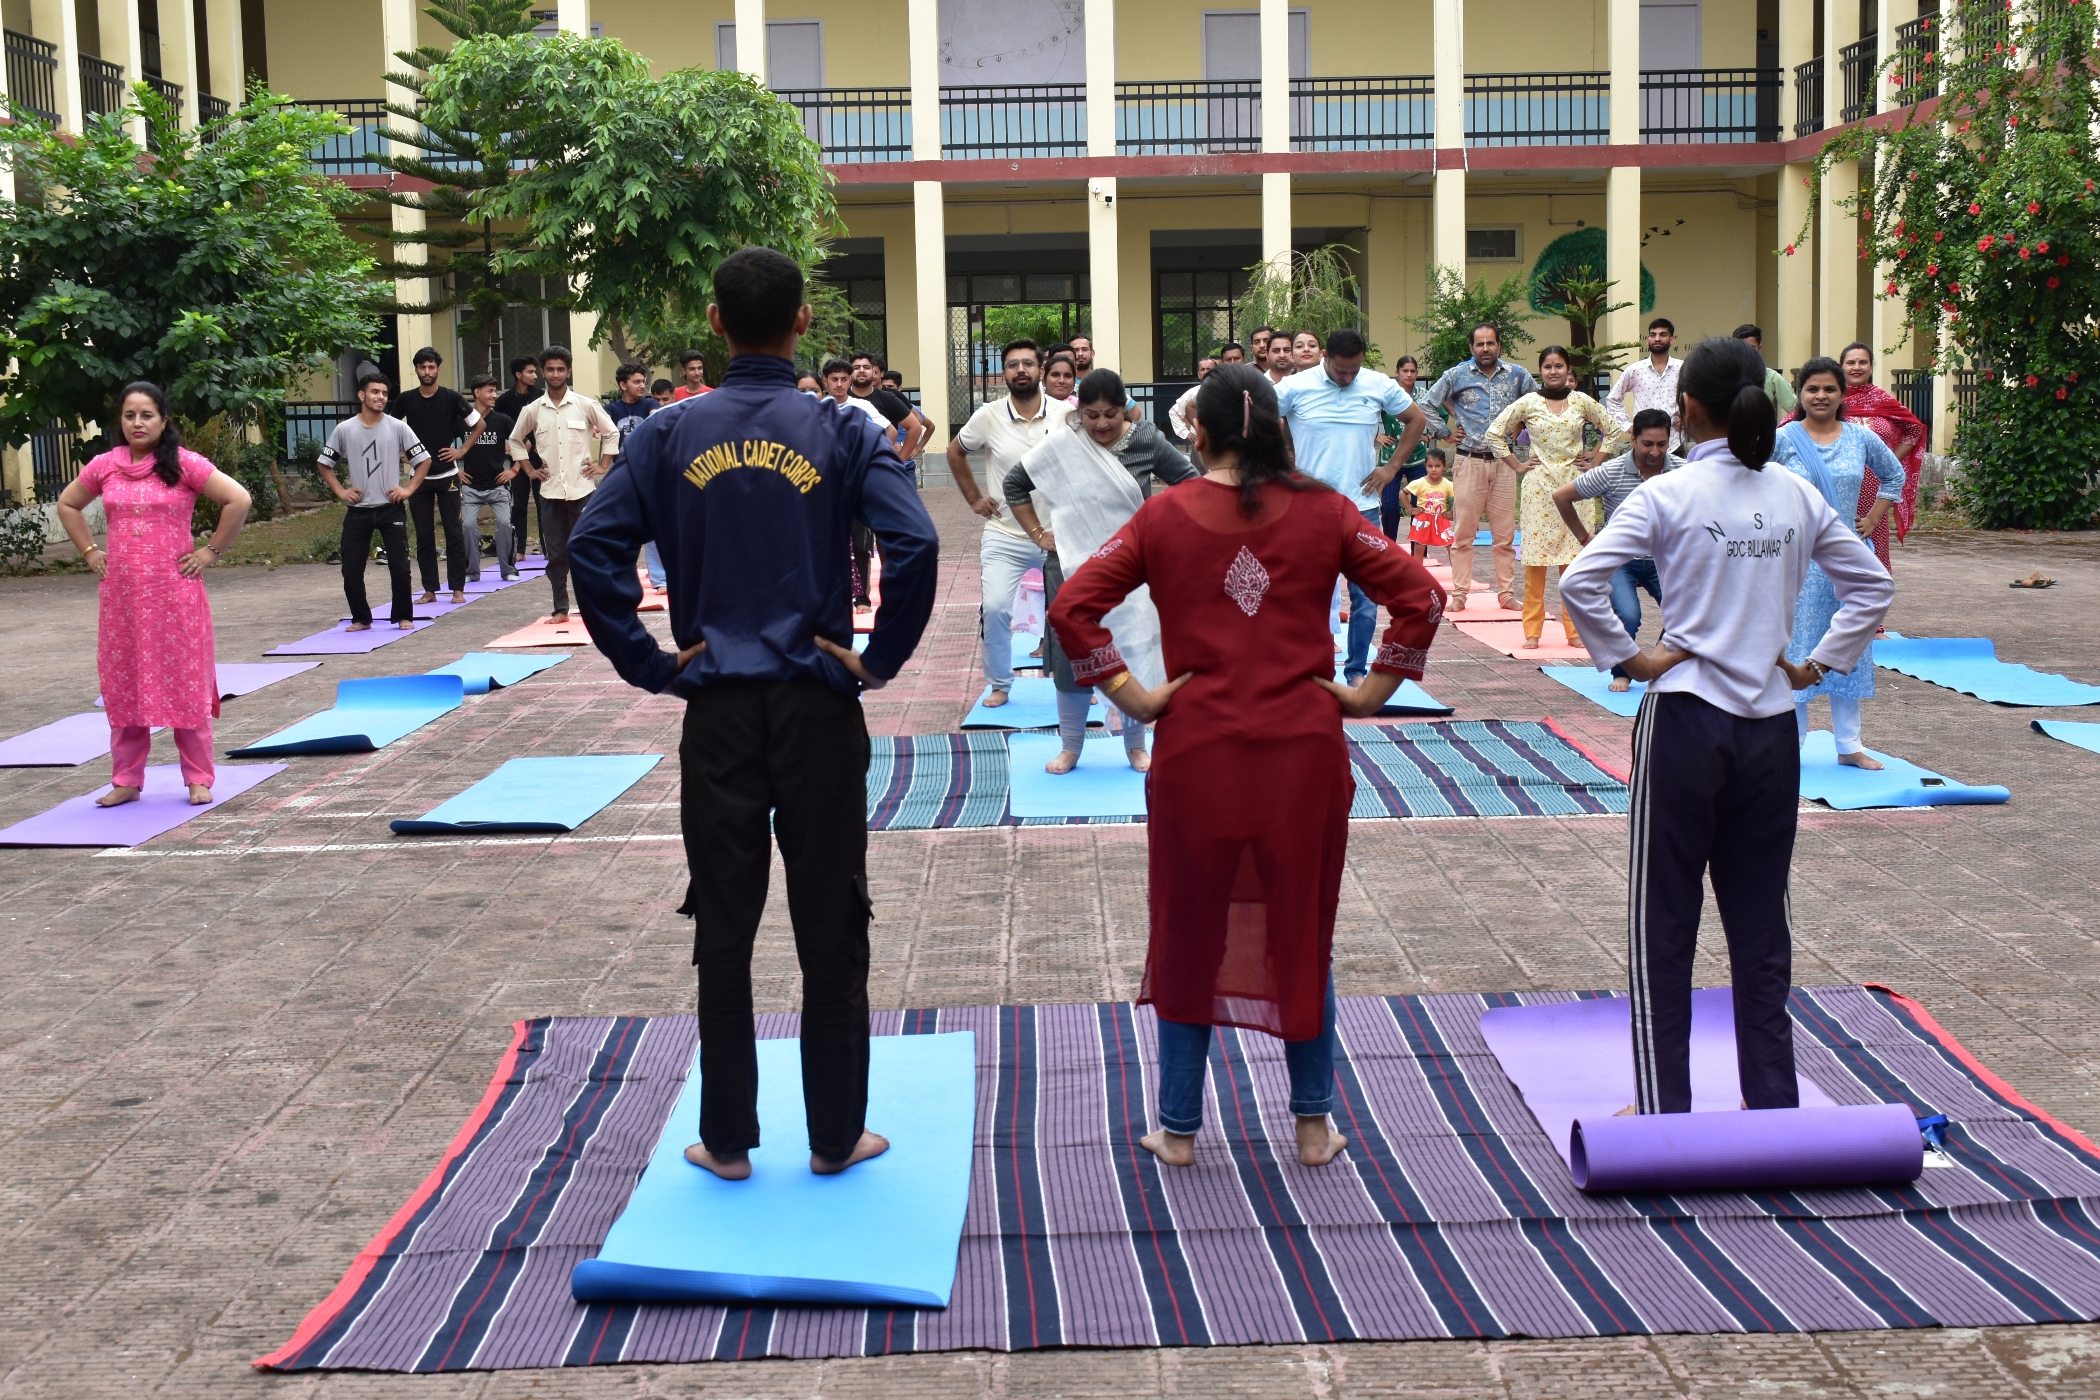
(231, 1054)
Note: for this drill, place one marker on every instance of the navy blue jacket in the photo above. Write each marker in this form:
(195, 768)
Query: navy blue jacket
(750, 493)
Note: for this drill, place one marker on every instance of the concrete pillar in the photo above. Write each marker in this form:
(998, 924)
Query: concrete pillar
(178, 54)
(1622, 186)
(751, 38)
(121, 45)
(1889, 311)
(1104, 263)
(1837, 260)
(1447, 57)
(589, 375)
(398, 32)
(229, 66)
(1276, 131)
(1792, 340)
(923, 24)
(930, 241)
(58, 22)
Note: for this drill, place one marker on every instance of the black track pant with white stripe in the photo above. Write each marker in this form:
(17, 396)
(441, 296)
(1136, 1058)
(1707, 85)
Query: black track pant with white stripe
(1713, 792)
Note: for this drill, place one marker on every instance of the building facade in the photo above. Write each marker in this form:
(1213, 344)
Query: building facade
(1064, 165)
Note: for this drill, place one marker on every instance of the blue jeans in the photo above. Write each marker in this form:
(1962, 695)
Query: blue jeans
(1363, 621)
(1184, 1054)
(655, 565)
(1627, 581)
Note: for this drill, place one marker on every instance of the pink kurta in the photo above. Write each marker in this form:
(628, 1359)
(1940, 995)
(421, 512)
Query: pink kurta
(155, 647)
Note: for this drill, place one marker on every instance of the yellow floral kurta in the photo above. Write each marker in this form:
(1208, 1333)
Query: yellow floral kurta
(1556, 441)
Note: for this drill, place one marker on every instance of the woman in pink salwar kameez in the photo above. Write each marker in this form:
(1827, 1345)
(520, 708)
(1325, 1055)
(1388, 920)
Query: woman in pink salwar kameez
(154, 647)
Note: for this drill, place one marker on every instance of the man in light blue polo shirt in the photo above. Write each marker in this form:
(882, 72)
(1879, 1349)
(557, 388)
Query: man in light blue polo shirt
(1333, 413)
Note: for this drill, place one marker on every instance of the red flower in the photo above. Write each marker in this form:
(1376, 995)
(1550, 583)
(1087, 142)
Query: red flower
(1983, 244)
(1939, 235)
(2015, 121)
(1892, 287)
(2063, 260)
(2063, 393)
(1954, 286)
(1975, 209)
(2072, 376)
(2041, 247)
(1790, 250)
(2033, 208)
(2052, 284)
(2026, 253)
(1932, 270)
(2032, 381)
(1947, 306)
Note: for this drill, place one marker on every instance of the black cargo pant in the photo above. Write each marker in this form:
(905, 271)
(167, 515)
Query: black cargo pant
(1712, 792)
(792, 755)
(439, 498)
(390, 523)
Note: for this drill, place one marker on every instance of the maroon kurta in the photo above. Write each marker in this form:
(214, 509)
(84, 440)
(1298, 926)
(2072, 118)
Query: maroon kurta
(1250, 787)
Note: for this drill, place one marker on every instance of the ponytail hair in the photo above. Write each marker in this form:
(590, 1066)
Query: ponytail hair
(167, 454)
(1727, 379)
(1101, 386)
(1237, 408)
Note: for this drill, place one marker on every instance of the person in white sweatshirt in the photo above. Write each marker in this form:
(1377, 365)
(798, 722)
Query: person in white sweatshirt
(1716, 760)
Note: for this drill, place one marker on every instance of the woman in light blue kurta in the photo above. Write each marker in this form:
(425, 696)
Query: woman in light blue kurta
(1835, 457)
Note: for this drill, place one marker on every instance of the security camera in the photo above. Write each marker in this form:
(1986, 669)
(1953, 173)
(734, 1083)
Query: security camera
(1093, 187)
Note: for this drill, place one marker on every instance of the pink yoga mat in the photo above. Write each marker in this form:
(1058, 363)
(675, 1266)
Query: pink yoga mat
(1508, 638)
(545, 632)
(1484, 607)
(163, 806)
(338, 642)
(1573, 1063)
(63, 743)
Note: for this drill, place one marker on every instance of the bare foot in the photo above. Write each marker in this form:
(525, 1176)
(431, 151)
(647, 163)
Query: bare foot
(1531, 644)
(1631, 1110)
(562, 616)
(994, 700)
(1454, 606)
(1064, 761)
(200, 795)
(117, 797)
(1863, 760)
(1175, 1149)
(870, 1145)
(1318, 1142)
(1621, 684)
(733, 1166)
(1038, 652)
(426, 597)
(1139, 759)
(459, 595)
(359, 627)
(406, 624)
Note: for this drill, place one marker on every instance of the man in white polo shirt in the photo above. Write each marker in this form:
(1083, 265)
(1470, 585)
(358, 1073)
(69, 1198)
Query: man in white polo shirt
(1004, 430)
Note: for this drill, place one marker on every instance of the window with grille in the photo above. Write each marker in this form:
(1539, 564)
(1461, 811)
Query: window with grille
(1194, 317)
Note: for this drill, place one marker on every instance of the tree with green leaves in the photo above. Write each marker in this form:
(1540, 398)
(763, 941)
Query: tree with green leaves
(1982, 206)
(1314, 291)
(631, 187)
(217, 267)
(1584, 299)
(464, 156)
(1579, 254)
(1451, 308)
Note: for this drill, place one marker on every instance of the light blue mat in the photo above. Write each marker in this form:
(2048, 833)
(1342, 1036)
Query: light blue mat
(883, 1233)
(483, 671)
(1971, 666)
(1103, 785)
(1482, 539)
(369, 714)
(1409, 699)
(1021, 655)
(2085, 736)
(1593, 684)
(1031, 705)
(536, 794)
(1898, 784)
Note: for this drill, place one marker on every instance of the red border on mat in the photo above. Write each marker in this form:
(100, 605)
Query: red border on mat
(1579, 747)
(325, 1311)
(1976, 1067)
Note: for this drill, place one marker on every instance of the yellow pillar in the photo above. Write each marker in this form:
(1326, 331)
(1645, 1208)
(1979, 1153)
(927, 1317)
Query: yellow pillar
(178, 55)
(929, 219)
(1276, 131)
(1837, 260)
(398, 32)
(121, 45)
(58, 22)
(574, 17)
(1447, 56)
(228, 79)
(751, 38)
(1792, 339)
(1104, 262)
(1622, 184)
(1888, 310)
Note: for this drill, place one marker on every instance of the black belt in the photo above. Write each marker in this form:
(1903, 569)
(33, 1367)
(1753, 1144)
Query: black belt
(1469, 452)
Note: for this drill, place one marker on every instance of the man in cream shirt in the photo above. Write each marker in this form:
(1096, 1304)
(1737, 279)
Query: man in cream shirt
(569, 432)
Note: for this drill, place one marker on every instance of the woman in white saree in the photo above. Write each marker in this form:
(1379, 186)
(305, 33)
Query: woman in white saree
(1092, 472)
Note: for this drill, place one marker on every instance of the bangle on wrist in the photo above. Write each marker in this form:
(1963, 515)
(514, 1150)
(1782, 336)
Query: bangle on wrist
(1117, 684)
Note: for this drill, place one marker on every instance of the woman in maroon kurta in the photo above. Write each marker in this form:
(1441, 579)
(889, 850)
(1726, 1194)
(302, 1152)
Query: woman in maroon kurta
(1250, 788)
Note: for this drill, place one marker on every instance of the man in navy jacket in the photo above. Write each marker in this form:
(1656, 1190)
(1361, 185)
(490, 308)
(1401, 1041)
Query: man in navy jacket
(750, 493)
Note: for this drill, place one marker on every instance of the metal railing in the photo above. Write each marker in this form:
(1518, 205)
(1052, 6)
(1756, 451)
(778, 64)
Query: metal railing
(1918, 59)
(1808, 98)
(1182, 119)
(360, 150)
(1362, 114)
(1538, 109)
(312, 421)
(211, 109)
(32, 75)
(1687, 106)
(170, 93)
(1013, 122)
(1913, 387)
(52, 464)
(855, 126)
(1985, 27)
(1857, 62)
(101, 85)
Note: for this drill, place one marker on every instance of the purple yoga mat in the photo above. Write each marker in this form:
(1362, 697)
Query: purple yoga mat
(490, 583)
(1772, 1148)
(63, 743)
(238, 678)
(430, 612)
(1573, 1063)
(163, 806)
(337, 642)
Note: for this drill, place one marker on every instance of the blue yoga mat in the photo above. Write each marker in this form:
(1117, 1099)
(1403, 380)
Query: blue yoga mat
(1593, 684)
(1483, 539)
(883, 1233)
(2085, 736)
(1971, 666)
(483, 671)
(536, 794)
(1031, 705)
(369, 714)
(1103, 785)
(1021, 656)
(1409, 699)
(1898, 784)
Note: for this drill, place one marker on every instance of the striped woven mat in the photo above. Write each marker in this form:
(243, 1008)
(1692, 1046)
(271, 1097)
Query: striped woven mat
(1442, 768)
(1450, 1215)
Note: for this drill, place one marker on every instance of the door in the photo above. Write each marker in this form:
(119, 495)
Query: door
(794, 53)
(1232, 54)
(1673, 100)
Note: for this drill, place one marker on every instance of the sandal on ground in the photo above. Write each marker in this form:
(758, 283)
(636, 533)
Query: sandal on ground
(2034, 580)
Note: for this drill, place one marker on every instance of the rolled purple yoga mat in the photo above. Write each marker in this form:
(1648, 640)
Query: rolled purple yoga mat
(1781, 1148)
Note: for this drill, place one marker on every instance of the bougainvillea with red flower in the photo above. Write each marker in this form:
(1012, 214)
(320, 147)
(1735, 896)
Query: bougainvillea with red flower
(1997, 178)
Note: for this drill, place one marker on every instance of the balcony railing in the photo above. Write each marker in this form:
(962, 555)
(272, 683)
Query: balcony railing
(32, 75)
(1985, 27)
(211, 109)
(53, 464)
(1538, 109)
(360, 150)
(170, 93)
(1918, 59)
(1185, 119)
(1017, 122)
(1687, 106)
(855, 126)
(101, 85)
(1858, 62)
(1808, 98)
(1363, 114)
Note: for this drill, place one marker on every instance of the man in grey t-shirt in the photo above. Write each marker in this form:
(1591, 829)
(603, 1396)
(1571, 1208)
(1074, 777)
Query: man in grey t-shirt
(1613, 482)
(371, 449)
